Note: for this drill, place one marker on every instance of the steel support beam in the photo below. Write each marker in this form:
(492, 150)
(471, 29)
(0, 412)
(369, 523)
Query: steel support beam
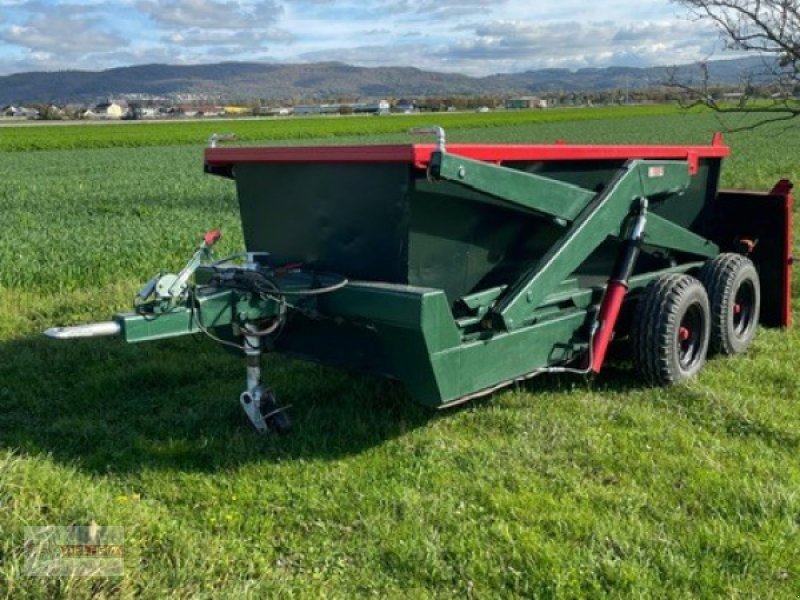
(521, 190)
(210, 310)
(591, 218)
(663, 233)
(604, 216)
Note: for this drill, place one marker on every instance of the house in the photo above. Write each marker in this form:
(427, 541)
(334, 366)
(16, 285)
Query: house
(379, 107)
(316, 109)
(405, 106)
(74, 111)
(136, 112)
(55, 112)
(238, 110)
(149, 112)
(307, 109)
(107, 110)
(524, 102)
(279, 111)
(188, 110)
(211, 111)
(20, 112)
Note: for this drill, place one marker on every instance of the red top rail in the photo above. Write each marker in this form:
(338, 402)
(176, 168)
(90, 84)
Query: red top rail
(419, 154)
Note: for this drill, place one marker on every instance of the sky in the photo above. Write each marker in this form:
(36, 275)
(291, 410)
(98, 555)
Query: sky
(473, 37)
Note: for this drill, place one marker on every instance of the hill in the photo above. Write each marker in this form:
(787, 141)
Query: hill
(275, 81)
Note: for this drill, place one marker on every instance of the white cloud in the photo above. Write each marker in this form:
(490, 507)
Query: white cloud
(575, 44)
(67, 30)
(227, 37)
(471, 36)
(212, 14)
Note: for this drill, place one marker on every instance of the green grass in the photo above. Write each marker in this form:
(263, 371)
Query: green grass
(137, 134)
(565, 487)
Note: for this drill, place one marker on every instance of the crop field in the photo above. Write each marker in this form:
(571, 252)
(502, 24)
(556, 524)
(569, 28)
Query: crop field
(42, 136)
(566, 487)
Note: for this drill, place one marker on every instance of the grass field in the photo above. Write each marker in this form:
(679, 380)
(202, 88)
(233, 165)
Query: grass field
(565, 487)
(42, 136)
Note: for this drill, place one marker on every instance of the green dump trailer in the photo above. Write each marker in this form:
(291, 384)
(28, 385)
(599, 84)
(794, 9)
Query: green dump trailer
(458, 269)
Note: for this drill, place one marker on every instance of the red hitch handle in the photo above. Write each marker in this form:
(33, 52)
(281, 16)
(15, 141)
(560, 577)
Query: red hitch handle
(212, 237)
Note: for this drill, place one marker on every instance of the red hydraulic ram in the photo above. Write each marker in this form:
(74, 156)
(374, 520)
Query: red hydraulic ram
(617, 288)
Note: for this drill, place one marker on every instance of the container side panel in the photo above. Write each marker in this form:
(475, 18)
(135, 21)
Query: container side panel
(350, 219)
(761, 219)
(345, 346)
(379, 329)
(455, 242)
(689, 210)
(479, 365)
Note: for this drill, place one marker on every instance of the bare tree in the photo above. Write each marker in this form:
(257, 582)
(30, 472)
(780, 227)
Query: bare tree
(769, 29)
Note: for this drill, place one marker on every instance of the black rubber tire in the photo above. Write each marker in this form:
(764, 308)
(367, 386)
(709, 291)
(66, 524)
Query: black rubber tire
(734, 294)
(671, 306)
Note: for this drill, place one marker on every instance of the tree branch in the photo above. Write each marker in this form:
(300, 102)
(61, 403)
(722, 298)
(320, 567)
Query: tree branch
(767, 28)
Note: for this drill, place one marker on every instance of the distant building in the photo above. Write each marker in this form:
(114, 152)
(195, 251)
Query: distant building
(136, 112)
(55, 111)
(316, 109)
(211, 111)
(20, 112)
(107, 110)
(187, 110)
(74, 111)
(524, 102)
(308, 109)
(149, 112)
(405, 106)
(278, 111)
(377, 107)
(237, 110)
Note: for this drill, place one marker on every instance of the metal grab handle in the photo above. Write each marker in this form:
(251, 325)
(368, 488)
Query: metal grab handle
(432, 130)
(220, 137)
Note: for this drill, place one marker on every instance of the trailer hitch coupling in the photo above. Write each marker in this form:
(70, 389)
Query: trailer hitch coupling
(89, 330)
(166, 290)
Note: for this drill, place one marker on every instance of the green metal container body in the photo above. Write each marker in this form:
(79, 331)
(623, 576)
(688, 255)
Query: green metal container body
(416, 250)
(389, 223)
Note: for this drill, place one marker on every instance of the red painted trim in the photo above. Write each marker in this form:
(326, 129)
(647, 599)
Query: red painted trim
(694, 163)
(784, 188)
(420, 154)
(335, 154)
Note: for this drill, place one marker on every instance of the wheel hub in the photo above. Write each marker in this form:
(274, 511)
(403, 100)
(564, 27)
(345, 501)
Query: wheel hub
(689, 336)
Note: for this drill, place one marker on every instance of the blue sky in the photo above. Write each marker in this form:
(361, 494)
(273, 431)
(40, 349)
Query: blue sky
(474, 37)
